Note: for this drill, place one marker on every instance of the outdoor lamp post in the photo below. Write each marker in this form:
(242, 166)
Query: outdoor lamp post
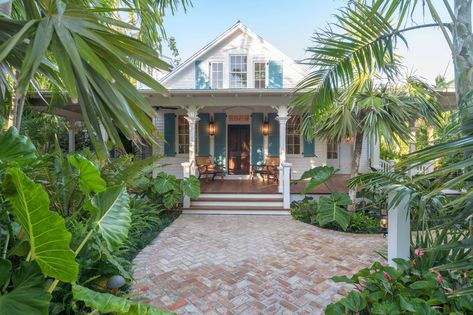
(211, 128)
(266, 128)
(383, 222)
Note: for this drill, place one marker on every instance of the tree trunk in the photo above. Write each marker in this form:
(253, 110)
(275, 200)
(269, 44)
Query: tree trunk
(355, 166)
(463, 62)
(5, 9)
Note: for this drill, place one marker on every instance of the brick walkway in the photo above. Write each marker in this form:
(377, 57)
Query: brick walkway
(205, 264)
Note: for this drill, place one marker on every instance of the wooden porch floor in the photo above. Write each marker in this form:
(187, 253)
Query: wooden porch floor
(218, 186)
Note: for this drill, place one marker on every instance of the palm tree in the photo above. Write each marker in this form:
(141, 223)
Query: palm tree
(81, 47)
(375, 112)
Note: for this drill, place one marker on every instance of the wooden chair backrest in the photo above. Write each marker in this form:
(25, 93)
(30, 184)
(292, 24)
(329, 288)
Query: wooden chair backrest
(272, 161)
(203, 160)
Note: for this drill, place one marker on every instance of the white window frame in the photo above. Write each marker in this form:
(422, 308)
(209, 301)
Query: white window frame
(212, 74)
(178, 144)
(337, 147)
(230, 72)
(265, 73)
(301, 142)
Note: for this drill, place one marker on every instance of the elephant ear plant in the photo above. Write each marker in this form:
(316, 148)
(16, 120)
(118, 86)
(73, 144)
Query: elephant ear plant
(47, 257)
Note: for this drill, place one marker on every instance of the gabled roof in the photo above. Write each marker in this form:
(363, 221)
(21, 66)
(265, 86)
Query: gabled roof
(238, 26)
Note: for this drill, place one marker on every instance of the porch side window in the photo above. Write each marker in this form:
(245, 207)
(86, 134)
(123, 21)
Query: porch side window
(182, 135)
(238, 71)
(216, 74)
(293, 136)
(332, 150)
(260, 75)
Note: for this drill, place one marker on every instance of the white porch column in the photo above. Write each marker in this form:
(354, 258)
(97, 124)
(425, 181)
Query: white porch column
(286, 181)
(283, 117)
(186, 169)
(398, 229)
(72, 136)
(192, 117)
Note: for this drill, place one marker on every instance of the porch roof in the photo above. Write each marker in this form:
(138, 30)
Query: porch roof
(220, 97)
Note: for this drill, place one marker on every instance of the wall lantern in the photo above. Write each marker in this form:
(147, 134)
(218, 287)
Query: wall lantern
(265, 128)
(211, 128)
(383, 222)
(348, 138)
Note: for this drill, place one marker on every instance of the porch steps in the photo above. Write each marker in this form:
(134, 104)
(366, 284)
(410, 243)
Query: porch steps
(260, 204)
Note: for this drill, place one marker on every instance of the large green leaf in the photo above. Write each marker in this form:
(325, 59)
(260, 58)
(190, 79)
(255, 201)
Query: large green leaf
(190, 187)
(111, 214)
(165, 182)
(45, 230)
(172, 198)
(333, 209)
(16, 148)
(28, 295)
(5, 269)
(89, 175)
(108, 303)
(318, 175)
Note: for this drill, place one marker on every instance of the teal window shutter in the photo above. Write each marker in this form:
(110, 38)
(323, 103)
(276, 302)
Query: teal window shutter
(257, 151)
(275, 74)
(170, 134)
(204, 138)
(201, 77)
(220, 138)
(309, 147)
(273, 137)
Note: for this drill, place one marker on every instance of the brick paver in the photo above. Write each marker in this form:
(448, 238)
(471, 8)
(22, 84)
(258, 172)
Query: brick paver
(204, 264)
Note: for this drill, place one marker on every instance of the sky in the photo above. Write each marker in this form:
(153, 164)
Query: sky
(288, 25)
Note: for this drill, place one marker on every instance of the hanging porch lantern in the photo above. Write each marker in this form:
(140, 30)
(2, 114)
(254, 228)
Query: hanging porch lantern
(211, 128)
(266, 128)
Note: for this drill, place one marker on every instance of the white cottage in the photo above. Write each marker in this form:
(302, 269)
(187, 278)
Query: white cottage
(229, 101)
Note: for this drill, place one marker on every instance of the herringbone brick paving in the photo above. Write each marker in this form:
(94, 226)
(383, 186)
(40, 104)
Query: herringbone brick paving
(226, 264)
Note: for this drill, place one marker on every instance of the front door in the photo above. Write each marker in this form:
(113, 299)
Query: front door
(238, 149)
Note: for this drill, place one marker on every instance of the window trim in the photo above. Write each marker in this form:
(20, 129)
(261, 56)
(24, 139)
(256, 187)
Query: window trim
(230, 72)
(337, 146)
(265, 73)
(177, 136)
(301, 142)
(211, 74)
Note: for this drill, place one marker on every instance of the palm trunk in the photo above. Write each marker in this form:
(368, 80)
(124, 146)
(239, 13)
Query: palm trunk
(5, 9)
(355, 166)
(463, 61)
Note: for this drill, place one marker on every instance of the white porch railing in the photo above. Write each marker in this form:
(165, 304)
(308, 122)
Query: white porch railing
(387, 166)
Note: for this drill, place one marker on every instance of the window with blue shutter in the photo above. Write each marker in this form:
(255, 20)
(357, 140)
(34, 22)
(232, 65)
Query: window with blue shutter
(273, 136)
(257, 150)
(204, 138)
(170, 134)
(201, 76)
(275, 74)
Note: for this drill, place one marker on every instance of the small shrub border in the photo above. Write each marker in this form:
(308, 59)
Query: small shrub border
(306, 211)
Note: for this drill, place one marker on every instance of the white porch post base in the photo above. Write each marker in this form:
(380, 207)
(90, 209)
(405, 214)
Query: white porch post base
(398, 230)
(286, 183)
(186, 170)
(72, 137)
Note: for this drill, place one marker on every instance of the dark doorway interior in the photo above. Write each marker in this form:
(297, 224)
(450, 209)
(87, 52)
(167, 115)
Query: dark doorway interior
(238, 149)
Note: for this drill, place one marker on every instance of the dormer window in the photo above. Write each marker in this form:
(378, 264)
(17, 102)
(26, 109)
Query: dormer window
(216, 75)
(238, 71)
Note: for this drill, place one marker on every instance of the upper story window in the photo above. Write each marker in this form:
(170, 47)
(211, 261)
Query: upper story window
(216, 75)
(293, 136)
(182, 135)
(260, 75)
(238, 71)
(332, 150)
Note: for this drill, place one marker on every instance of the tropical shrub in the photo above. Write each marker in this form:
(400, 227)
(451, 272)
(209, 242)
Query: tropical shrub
(334, 214)
(407, 289)
(64, 230)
